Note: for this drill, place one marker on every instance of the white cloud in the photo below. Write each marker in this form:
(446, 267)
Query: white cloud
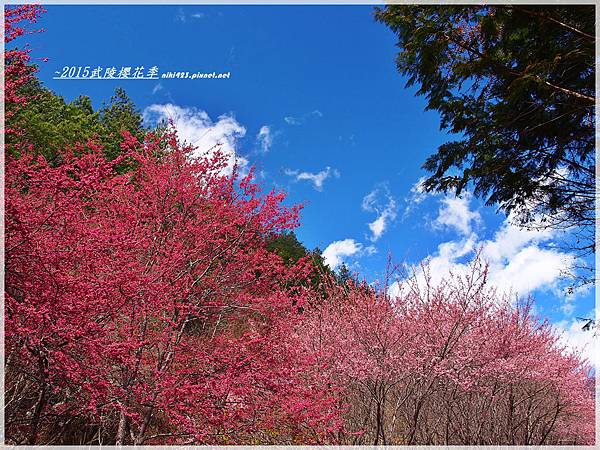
(380, 201)
(528, 269)
(418, 192)
(369, 201)
(520, 261)
(265, 138)
(157, 87)
(180, 16)
(574, 338)
(291, 120)
(510, 238)
(196, 128)
(379, 225)
(417, 195)
(336, 252)
(370, 250)
(568, 305)
(455, 213)
(317, 179)
(448, 258)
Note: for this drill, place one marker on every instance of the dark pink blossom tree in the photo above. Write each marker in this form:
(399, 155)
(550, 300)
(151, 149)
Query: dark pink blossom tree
(18, 69)
(143, 303)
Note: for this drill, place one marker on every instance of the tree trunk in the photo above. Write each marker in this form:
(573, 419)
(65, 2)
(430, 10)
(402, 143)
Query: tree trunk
(121, 430)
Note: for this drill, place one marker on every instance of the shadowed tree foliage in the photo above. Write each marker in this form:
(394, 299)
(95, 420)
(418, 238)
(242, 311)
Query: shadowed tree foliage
(291, 250)
(288, 247)
(50, 124)
(344, 275)
(515, 85)
(119, 115)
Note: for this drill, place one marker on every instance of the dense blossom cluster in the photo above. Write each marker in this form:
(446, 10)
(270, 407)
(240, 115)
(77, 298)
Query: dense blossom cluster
(18, 68)
(143, 306)
(449, 364)
(137, 293)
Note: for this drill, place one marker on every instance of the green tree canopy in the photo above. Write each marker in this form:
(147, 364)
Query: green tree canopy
(290, 249)
(119, 115)
(514, 85)
(50, 124)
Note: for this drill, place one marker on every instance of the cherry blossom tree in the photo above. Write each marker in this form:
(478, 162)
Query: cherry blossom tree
(18, 67)
(452, 364)
(144, 301)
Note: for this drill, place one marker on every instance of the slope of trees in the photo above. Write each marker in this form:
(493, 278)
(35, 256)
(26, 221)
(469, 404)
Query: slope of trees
(170, 303)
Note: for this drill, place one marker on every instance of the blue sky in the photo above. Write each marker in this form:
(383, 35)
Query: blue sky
(315, 103)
